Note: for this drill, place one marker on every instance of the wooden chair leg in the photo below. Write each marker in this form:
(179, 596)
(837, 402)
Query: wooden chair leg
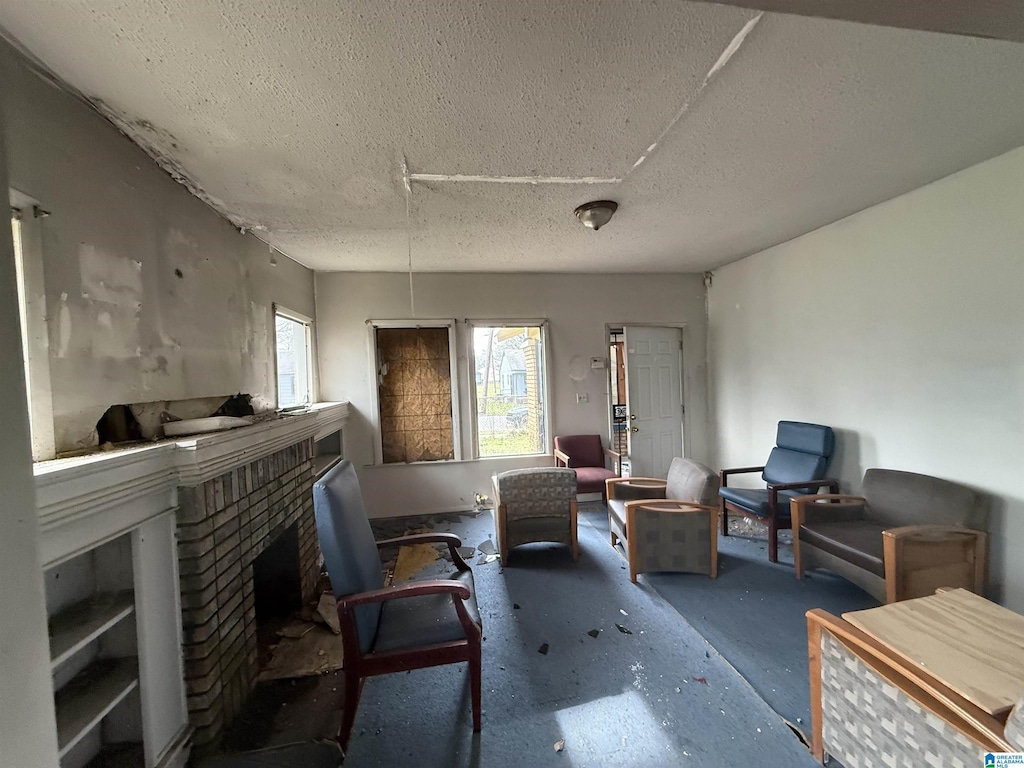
(773, 542)
(353, 687)
(474, 682)
(574, 529)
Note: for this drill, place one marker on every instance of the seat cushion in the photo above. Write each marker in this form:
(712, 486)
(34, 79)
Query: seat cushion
(591, 479)
(753, 500)
(856, 541)
(418, 621)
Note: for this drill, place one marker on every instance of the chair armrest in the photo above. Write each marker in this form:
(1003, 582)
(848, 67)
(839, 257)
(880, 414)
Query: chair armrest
(811, 509)
(422, 538)
(406, 589)
(452, 540)
(922, 558)
(931, 532)
(616, 457)
(724, 473)
(561, 456)
(833, 485)
(654, 484)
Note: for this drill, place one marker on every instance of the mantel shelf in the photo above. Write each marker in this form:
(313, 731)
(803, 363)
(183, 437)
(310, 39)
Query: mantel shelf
(78, 625)
(90, 696)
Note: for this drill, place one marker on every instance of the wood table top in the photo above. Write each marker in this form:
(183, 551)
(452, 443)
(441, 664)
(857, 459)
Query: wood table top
(969, 643)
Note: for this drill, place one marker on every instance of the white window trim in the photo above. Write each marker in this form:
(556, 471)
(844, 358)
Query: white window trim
(298, 317)
(544, 325)
(371, 339)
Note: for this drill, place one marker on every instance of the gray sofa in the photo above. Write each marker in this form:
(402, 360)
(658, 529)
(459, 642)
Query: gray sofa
(667, 525)
(905, 536)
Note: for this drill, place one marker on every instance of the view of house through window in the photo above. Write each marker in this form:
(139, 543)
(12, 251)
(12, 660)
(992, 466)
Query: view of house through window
(294, 361)
(415, 394)
(510, 391)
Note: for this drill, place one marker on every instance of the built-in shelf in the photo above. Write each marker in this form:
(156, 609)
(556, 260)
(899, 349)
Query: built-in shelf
(78, 625)
(322, 463)
(90, 696)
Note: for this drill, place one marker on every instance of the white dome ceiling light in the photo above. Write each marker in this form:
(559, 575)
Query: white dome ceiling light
(596, 214)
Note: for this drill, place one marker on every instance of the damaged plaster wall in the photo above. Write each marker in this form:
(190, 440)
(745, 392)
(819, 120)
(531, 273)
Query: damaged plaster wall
(577, 307)
(150, 294)
(900, 327)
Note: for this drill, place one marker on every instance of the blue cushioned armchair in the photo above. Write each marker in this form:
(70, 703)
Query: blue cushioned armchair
(391, 629)
(796, 466)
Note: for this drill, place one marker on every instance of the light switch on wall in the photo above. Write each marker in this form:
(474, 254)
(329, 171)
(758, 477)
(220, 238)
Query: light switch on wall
(582, 397)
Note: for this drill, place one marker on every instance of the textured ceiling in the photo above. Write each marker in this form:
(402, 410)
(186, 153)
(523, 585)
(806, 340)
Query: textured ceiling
(296, 119)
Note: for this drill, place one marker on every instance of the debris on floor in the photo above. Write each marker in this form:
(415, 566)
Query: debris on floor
(701, 680)
(543, 649)
(594, 632)
(559, 745)
(413, 558)
(296, 629)
(486, 547)
(327, 609)
(623, 630)
(467, 552)
(313, 652)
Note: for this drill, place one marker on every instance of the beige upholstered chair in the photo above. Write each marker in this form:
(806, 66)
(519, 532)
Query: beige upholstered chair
(536, 504)
(677, 533)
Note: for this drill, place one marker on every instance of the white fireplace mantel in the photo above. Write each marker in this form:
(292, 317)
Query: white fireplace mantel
(86, 500)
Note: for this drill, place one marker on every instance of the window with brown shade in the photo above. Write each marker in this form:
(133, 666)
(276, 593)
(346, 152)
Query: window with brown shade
(415, 394)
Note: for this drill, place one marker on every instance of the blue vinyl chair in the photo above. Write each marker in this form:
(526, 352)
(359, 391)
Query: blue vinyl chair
(796, 466)
(412, 625)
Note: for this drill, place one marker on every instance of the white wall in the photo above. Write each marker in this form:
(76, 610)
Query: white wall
(123, 326)
(578, 308)
(27, 726)
(902, 327)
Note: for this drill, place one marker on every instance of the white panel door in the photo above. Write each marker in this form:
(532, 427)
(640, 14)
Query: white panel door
(654, 398)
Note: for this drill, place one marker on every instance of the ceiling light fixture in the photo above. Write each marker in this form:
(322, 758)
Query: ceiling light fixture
(596, 214)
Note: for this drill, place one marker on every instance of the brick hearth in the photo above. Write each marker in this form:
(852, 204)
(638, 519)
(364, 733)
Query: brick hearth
(223, 524)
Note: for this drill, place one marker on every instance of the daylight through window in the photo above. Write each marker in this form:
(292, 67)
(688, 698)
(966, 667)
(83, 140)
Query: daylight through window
(294, 361)
(511, 403)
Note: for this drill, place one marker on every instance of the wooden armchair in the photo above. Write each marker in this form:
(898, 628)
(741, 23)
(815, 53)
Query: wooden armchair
(796, 465)
(587, 456)
(391, 629)
(906, 536)
(678, 533)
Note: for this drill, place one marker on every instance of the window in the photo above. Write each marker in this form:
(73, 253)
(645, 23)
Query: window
(415, 371)
(511, 390)
(294, 359)
(19, 271)
(26, 230)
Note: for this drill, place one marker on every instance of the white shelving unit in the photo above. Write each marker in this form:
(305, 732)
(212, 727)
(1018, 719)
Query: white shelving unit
(110, 569)
(94, 651)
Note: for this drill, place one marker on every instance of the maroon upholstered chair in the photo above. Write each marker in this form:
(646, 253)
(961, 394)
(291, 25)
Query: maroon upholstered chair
(586, 455)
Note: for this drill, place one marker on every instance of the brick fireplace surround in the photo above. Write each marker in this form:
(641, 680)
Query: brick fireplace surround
(223, 525)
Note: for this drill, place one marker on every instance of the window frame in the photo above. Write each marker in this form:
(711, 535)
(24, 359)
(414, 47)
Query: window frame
(449, 323)
(34, 340)
(307, 323)
(545, 335)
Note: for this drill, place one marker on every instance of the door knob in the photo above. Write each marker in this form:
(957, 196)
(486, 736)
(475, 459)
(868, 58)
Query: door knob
(632, 417)
(636, 429)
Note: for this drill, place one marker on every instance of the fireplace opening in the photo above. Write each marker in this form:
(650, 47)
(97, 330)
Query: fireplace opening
(277, 584)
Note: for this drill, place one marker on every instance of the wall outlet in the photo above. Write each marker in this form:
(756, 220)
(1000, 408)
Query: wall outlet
(582, 397)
